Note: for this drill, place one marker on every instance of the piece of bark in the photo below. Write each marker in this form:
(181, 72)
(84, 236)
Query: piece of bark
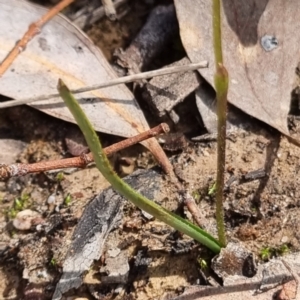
(150, 41)
(206, 104)
(99, 217)
(75, 142)
(174, 141)
(234, 260)
(10, 150)
(163, 93)
(116, 269)
(207, 107)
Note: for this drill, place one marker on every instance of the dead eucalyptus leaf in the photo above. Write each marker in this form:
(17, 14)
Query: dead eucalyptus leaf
(260, 48)
(62, 50)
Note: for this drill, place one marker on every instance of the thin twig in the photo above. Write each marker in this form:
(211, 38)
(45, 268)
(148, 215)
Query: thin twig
(32, 31)
(125, 79)
(109, 9)
(7, 171)
(87, 17)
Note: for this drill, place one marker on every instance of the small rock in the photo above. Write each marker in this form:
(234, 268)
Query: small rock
(113, 252)
(75, 142)
(285, 239)
(234, 260)
(10, 150)
(117, 269)
(289, 291)
(147, 215)
(27, 218)
(51, 199)
(205, 153)
(126, 165)
(119, 289)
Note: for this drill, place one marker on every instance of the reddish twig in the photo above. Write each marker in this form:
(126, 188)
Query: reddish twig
(32, 31)
(7, 171)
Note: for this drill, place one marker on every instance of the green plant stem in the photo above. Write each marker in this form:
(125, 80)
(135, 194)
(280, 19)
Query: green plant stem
(124, 189)
(217, 34)
(221, 86)
(221, 82)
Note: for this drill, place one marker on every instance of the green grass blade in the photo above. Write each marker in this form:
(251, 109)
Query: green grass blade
(123, 188)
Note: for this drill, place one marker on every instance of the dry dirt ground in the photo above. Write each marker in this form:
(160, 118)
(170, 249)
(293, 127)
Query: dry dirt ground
(261, 212)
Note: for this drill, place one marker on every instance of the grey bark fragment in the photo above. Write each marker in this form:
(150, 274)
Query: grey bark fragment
(206, 103)
(234, 260)
(207, 106)
(98, 219)
(150, 41)
(88, 239)
(163, 93)
(116, 269)
(10, 150)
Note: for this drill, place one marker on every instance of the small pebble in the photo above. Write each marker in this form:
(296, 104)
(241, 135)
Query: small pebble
(113, 252)
(119, 289)
(205, 153)
(51, 199)
(269, 42)
(285, 239)
(25, 219)
(39, 227)
(126, 165)
(147, 215)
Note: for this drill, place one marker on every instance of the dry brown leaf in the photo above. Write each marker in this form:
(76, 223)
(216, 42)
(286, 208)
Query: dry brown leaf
(260, 81)
(62, 50)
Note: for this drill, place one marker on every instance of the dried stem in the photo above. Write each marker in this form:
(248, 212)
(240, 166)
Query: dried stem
(32, 31)
(7, 171)
(86, 17)
(109, 9)
(121, 80)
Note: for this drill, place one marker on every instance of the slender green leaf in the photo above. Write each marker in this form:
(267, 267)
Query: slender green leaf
(124, 189)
